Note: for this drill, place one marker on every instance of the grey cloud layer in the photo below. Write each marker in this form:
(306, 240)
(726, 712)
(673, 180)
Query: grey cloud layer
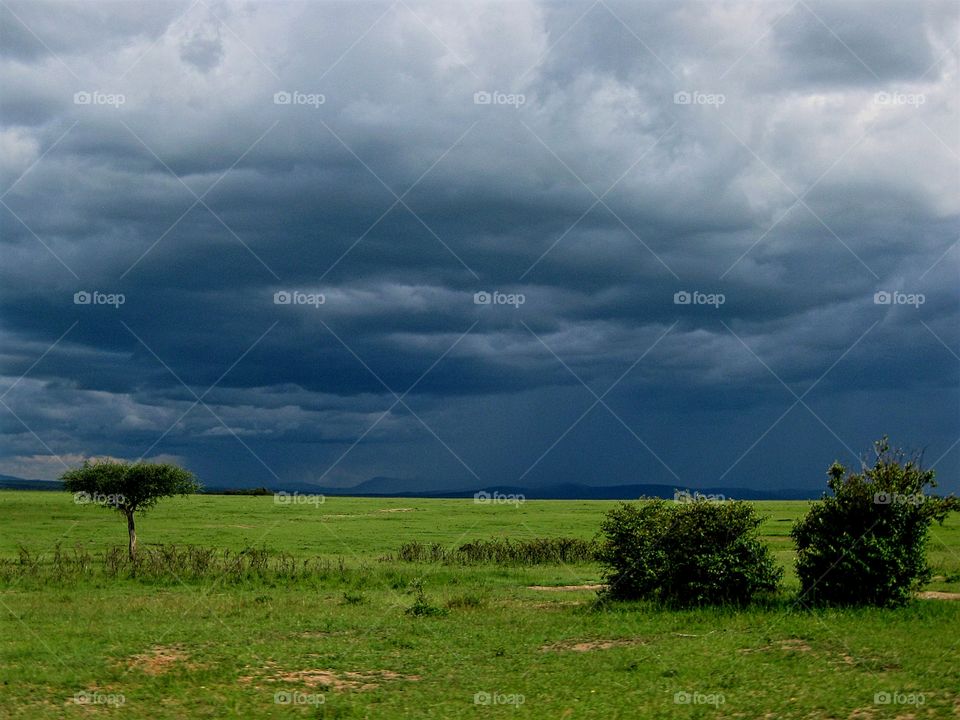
(819, 180)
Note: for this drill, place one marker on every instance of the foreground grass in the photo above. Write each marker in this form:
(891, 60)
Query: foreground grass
(345, 641)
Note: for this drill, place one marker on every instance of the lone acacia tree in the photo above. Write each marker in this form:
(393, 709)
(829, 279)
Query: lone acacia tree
(128, 488)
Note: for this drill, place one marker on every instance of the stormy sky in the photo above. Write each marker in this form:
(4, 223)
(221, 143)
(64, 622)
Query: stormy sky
(464, 244)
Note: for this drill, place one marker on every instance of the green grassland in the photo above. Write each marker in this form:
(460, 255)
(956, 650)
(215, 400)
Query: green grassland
(342, 643)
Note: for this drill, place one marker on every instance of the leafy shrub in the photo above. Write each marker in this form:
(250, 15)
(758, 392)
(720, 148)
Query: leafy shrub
(695, 553)
(354, 598)
(866, 544)
(422, 607)
(467, 601)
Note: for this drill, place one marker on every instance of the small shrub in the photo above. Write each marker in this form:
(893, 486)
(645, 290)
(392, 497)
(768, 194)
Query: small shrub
(695, 553)
(354, 598)
(866, 544)
(468, 601)
(422, 607)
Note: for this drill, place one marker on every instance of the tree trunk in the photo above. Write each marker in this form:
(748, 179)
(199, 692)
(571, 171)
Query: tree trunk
(132, 530)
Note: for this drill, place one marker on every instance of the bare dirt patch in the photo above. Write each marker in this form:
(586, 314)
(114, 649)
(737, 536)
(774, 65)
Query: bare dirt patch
(590, 645)
(322, 633)
(557, 604)
(565, 588)
(359, 515)
(159, 659)
(938, 595)
(788, 645)
(335, 680)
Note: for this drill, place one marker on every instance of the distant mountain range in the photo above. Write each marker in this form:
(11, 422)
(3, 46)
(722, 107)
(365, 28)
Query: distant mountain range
(9, 482)
(397, 487)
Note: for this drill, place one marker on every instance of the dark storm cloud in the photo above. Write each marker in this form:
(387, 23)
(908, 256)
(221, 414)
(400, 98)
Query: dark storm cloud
(786, 184)
(888, 41)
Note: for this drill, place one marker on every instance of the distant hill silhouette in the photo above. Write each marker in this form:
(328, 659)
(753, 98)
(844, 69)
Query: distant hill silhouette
(397, 487)
(572, 491)
(10, 482)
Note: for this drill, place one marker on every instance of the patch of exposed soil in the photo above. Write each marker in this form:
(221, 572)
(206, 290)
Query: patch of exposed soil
(565, 588)
(789, 645)
(559, 604)
(322, 633)
(159, 659)
(337, 681)
(590, 645)
(938, 595)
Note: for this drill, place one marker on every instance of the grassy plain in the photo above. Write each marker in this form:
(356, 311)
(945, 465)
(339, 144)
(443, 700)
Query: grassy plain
(343, 644)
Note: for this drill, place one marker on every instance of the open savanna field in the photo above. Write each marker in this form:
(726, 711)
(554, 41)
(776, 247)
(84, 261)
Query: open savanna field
(337, 637)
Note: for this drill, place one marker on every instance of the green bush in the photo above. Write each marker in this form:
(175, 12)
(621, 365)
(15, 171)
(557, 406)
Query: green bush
(422, 607)
(695, 553)
(866, 543)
